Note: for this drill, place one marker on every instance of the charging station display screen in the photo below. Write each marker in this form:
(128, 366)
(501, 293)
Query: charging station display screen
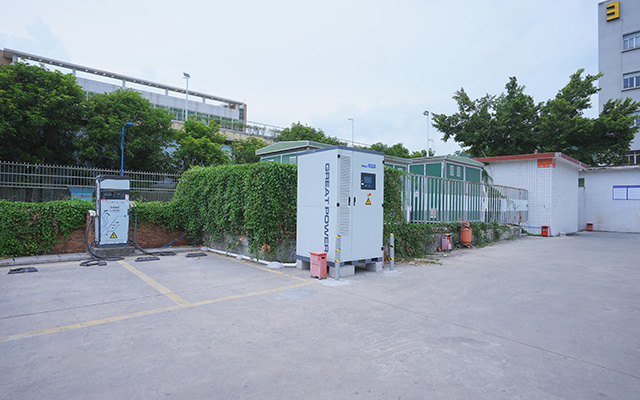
(367, 181)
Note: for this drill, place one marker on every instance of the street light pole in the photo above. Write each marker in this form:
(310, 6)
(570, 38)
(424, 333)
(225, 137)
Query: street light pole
(186, 108)
(352, 130)
(426, 114)
(124, 129)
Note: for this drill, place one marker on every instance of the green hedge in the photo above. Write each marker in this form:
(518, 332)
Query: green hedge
(32, 228)
(28, 229)
(257, 200)
(414, 240)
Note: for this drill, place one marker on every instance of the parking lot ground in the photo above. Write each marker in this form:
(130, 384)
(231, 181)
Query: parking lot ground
(533, 318)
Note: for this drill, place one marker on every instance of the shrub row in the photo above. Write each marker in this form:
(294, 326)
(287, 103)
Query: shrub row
(256, 200)
(28, 229)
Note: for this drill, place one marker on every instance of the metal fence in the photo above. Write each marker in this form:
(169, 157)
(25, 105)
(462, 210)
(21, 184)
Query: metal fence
(38, 182)
(429, 199)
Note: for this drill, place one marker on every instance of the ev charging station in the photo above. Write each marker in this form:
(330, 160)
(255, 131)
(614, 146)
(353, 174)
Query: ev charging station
(112, 208)
(340, 192)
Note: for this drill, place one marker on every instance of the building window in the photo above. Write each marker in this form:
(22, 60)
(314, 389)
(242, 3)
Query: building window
(636, 119)
(631, 41)
(459, 170)
(631, 80)
(634, 157)
(580, 182)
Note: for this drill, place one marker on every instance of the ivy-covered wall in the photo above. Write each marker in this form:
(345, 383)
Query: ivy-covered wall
(28, 229)
(255, 201)
(32, 228)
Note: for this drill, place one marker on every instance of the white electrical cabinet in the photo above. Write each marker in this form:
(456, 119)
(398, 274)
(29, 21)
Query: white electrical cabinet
(112, 207)
(340, 192)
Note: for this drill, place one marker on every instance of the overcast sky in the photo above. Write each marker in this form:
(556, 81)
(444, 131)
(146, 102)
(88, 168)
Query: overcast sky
(381, 62)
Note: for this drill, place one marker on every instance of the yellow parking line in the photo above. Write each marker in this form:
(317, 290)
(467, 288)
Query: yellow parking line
(256, 293)
(86, 324)
(147, 312)
(154, 284)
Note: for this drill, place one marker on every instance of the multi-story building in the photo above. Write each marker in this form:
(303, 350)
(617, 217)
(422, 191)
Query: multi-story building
(230, 114)
(619, 57)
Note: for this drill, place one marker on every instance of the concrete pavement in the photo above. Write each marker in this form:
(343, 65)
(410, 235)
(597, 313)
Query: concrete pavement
(533, 318)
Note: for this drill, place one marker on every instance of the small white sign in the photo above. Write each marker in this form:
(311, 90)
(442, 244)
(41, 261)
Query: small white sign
(633, 193)
(619, 192)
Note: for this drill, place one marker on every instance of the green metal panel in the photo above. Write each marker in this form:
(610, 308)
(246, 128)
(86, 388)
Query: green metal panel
(434, 170)
(417, 169)
(473, 174)
(286, 158)
(400, 167)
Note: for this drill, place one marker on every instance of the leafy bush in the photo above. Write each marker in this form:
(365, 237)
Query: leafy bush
(258, 200)
(32, 228)
(28, 229)
(393, 212)
(416, 240)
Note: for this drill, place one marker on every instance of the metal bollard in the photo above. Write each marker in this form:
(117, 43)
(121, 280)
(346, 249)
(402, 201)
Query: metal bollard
(337, 263)
(392, 252)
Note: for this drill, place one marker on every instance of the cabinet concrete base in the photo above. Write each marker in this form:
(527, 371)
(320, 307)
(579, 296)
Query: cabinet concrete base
(374, 266)
(124, 251)
(345, 271)
(303, 264)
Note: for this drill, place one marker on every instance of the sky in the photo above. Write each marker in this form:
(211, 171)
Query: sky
(382, 63)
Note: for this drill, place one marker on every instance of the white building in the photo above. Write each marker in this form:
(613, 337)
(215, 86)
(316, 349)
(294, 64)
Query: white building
(619, 56)
(204, 107)
(610, 198)
(552, 182)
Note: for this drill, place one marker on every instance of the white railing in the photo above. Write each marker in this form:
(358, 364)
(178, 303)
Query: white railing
(429, 199)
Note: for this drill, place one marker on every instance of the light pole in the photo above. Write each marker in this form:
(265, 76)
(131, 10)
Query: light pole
(352, 130)
(426, 114)
(186, 107)
(124, 129)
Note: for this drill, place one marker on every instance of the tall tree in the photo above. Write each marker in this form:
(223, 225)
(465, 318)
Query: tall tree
(244, 151)
(303, 132)
(146, 142)
(200, 145)
(492, 125)
(614, 131)
(563, 126)
(40, 114)
(513, 124)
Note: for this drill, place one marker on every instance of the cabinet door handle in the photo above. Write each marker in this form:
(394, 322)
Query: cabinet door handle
(354, 201)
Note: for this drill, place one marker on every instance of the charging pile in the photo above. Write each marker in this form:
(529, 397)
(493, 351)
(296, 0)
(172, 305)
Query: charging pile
(111, 220)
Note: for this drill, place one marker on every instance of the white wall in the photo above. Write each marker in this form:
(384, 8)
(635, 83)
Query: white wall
(553, 192)
(599, 207)
(565, 198)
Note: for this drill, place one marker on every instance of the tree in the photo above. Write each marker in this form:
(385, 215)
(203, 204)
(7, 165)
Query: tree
(614, 131)
(145, 144)
(40, 114)
(513, 124)
(562, 126)
(397, 150)
(200, 145)
(492, 125)
(303, 132)
(244, 151)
